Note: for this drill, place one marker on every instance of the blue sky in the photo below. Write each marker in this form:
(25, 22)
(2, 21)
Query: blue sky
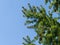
(12, 27)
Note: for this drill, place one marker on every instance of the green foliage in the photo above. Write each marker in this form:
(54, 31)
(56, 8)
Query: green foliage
(28, 41)
(46, 26)
(55, 4)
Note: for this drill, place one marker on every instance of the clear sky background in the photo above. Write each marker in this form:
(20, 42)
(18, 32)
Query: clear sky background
(12, 27)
